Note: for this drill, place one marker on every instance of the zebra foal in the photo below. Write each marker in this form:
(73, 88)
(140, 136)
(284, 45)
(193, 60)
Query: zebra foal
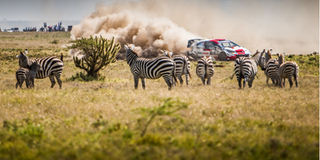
(28, 75)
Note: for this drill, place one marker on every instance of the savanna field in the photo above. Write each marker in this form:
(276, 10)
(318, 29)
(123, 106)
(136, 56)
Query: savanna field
(109, 119)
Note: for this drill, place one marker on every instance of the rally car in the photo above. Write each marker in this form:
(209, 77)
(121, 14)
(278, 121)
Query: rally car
(219, 49)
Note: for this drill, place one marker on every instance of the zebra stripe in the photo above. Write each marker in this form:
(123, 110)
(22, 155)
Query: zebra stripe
(288, 70)
(51, 67)
(150, 68)
(205, 70)
(246, 69)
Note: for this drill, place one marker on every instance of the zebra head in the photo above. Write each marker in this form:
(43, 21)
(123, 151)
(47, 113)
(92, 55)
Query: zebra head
(35, 66)
(23, 60)
(166, 53)
(131, 56)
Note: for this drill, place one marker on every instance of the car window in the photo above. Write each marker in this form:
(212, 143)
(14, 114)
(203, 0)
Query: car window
(200, 45)
(228, 44)
(210, 45)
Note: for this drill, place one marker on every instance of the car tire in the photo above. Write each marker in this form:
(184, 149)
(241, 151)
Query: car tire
(222, 56)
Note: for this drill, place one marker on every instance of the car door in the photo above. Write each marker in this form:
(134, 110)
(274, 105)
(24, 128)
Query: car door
(213, 48)
(200, 49)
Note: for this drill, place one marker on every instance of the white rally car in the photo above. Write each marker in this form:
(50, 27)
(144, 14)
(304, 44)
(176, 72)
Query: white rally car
(219, 49)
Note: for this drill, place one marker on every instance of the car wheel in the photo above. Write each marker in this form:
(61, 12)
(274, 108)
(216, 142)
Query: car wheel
(222, 56)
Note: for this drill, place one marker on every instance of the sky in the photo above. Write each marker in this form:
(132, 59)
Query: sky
(289, 24)
(47, 10)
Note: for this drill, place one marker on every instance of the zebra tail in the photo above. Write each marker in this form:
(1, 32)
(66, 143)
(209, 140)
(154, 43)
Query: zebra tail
(296, 71)
(174, 72)
(61, 57)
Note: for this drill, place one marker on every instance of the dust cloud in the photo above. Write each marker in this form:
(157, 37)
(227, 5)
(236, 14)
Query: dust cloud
(290, 26)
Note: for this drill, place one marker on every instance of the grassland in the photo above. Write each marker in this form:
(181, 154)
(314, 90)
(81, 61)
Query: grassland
(105, 119)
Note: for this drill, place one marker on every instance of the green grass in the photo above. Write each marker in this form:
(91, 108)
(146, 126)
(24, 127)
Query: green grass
(104, 119)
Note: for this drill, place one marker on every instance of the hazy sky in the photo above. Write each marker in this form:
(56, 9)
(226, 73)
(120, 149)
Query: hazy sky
(48, 10)
(54, 10)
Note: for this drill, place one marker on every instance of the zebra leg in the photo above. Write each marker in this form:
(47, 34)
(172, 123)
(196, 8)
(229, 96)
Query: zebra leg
(244, 82)
(209, 81)
(295, 76)
(187, 79)
(239, 82)
(143, 83)
(273, 81)
(59, 80)
(32, 83)
(167, 79)
(290, 81)
(203, 81)
(27, 83)
(267, 80)
(284, 82)
(181, 80)
(136, 82)
(53, 82)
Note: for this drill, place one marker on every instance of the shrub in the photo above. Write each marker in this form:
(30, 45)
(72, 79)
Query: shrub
(97, 53)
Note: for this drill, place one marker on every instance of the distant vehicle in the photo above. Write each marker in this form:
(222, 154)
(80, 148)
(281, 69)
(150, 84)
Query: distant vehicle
(219, 49)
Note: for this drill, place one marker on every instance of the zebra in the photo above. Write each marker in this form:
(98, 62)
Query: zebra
(205, 70)
(246, 68)
(28, 75)
(150, 68)
(288, 70)
(182, 66)
(271, 71)
(260, 60)
(50, 67)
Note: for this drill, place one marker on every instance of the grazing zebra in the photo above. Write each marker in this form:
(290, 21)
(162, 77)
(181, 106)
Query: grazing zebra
(150, 68)
(50, 67)
(288, 70)
(28, 75)
(246, 68)
(182, 66)
(205, 70)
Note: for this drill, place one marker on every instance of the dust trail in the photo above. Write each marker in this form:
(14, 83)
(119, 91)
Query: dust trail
(286, 26)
